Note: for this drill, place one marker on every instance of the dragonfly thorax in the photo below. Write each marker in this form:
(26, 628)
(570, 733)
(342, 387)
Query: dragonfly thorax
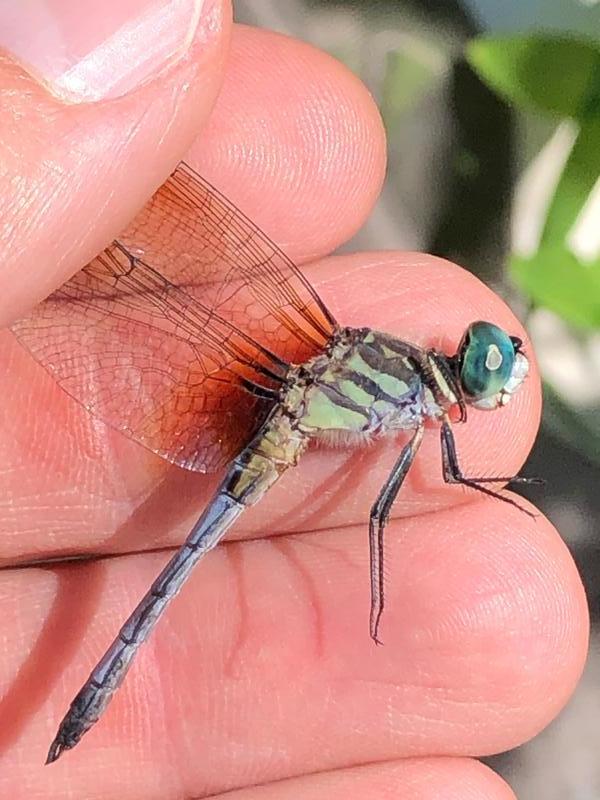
(365, 385)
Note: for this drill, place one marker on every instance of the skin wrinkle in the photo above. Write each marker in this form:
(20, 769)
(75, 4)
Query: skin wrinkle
(285, 120)
(177, 99)
(174, 752)
(89, 454)
(421, 777)
(260, 536)
(369, 262)
(240, 637)
(286, 549)
(134, 130)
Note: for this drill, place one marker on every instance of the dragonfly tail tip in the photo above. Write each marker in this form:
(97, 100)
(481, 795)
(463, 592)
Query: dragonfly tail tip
(55, 751)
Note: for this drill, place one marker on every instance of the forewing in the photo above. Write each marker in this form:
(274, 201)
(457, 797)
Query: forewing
(198, 239)
(167, 334)
(144, 356)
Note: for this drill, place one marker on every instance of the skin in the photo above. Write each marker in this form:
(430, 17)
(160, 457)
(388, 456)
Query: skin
(261, 677)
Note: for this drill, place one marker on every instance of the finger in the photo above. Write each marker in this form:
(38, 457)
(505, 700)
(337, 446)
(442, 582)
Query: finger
(296, 141)
(73, 174)
(75, 486)
(266, 655)
(410, 779)
(314, 153)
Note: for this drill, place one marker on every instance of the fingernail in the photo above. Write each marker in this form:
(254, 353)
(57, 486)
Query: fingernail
(90, 51)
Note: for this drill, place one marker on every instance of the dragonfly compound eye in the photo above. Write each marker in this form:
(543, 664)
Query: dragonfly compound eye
(487, 357)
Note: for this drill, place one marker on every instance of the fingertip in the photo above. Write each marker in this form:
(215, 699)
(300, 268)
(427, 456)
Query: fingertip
(296, 141)
(409, 779)
(498, 595)
(75, 174)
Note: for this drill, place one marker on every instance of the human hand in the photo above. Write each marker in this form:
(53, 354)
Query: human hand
(262, 669)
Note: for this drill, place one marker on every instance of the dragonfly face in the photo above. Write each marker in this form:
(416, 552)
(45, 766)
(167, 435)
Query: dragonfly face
(491, 365)
(195, 336)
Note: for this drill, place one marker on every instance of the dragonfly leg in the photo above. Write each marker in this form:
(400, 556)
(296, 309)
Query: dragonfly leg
(453, 474)
(96, 693)
(378, 519)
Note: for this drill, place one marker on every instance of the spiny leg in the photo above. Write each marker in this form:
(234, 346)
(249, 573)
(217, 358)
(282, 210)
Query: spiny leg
(453, 474)
(377, 521)
(96, 693)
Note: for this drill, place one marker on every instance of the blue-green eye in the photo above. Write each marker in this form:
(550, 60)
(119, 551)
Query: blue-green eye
(486, 358)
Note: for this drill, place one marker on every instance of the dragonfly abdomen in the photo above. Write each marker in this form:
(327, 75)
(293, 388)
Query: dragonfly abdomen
(277, 445)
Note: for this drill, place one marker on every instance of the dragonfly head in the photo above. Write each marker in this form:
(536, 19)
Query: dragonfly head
(490, 365)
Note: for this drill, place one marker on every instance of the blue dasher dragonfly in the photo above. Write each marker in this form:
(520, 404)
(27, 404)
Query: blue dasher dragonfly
(194, 335)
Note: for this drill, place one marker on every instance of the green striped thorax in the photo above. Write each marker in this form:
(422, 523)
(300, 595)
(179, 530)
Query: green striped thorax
(368, 382)
(490, 365)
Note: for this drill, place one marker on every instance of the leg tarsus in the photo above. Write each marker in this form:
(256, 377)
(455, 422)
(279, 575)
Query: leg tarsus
(378, 520)
(453, 474)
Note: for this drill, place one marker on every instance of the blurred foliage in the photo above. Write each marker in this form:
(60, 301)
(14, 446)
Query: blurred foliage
(413, 77)
(556, 75)
(556, 279)
(576, 183)
(561, 77)
(557, 78)
(579, 431)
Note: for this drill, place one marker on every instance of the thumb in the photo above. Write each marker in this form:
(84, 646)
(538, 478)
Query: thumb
(85, 139)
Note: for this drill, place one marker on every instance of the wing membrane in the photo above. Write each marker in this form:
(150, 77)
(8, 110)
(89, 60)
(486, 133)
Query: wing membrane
(197, 238)
(179, 333)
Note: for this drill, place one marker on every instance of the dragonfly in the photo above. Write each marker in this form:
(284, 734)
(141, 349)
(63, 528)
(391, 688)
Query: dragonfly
(196, 336)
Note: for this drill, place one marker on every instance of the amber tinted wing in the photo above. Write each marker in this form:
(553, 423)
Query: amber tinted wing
(169, 359)
(198, 239)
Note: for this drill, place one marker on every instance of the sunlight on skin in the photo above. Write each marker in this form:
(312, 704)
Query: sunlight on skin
(275, 676)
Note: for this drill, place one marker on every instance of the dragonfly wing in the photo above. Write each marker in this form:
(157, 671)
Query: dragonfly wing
(199, 239)
(145, 357)
(163, 333)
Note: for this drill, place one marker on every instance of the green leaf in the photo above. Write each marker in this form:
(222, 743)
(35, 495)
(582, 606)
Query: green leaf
(555, 279)
(578, 178)
(554, 74)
